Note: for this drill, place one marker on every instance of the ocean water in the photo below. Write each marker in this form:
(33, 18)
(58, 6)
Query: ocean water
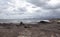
(18, 20)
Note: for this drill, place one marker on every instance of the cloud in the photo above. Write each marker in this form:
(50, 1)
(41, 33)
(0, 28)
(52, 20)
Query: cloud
(21, 9)
(16, 9)
(46, 3)
(50, 8)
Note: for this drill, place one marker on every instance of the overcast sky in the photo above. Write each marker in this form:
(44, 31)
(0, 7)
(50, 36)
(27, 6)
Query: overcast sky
(21, 9)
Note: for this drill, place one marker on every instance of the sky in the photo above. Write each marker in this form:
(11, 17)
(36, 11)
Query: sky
(25, 9)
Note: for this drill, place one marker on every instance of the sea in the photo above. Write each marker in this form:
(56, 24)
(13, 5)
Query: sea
(18, 20)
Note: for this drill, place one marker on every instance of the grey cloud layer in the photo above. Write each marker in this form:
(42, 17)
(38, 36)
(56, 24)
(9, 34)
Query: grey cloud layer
(51, 7)
(10, 9)
(45, 3)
